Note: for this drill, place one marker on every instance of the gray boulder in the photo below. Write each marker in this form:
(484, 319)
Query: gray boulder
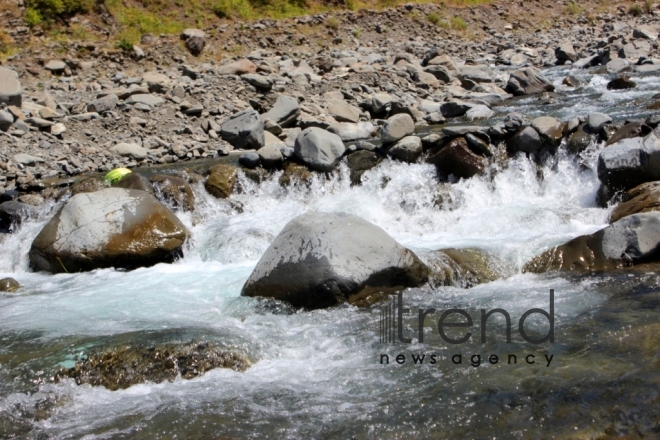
(319, 149)
(322, 259)
(565, 52)
(244, 130)
(550, 130)
(112, 227)
(352, 132)
(259, 81)
(527, 140)
(528, 81)
(397, 127)
(596, 121)
(10, 88)
(195, 40)
(104, 104)
(129, 150)
(408, 149)
(285, 112)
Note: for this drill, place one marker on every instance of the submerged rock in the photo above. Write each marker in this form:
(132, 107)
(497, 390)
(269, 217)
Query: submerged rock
(630, 240)
(9, 285)
(322, 259)
(123, 367)
(464, 268)
(221, 181)
(174, 190)
(113, 227)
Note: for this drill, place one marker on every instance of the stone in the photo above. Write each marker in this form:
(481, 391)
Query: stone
(146, 99)
(244, 130)
(175, 191)
(630, 130)
(195, 40)
(550, 130)
(477, 112)
(621, 83)
(156, 82)
(322, 259)
(440, 72)
(249, 160)
(112, 227)
(27, 159)
(571, 81)
(104, 104)
(579, 141)
(91, 184)
(6, 119)
(344, 112)
(129, 150)
(285, 111)
(596, 121)
(528, 81)
(455, 108)
(631, 240)
(319, 149)
(9, 285)
(478, 145)
(240, 67)
(221, 181)
(13, 214)
(397, 127)
(457, 159)
(261, 82)
(476, 74)
(630, 162)
(380, 103)
(526, 139)
(642, 198)
(361, 161)
(407, 149)
(135, 181)
(57, 129)
(295, 174)
(646, 32)
(11, 92)
(271, 157)
(617, 65)
(565, 52)
(55, 66)
(353, 132)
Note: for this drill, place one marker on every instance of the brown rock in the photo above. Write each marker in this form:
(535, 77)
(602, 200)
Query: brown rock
(294, 174)
(240, 67)
(92, 184)
(8, 285)
(642, 198)
(175, 191)
(221, 181)
(457, 159)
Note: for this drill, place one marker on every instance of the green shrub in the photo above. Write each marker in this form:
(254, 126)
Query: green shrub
(635, 10)
(458, 23)
(124, 45)
(332, 23)
(573, 8)
(357, 32)
(33, 17)
(51, 10)
(433, 18)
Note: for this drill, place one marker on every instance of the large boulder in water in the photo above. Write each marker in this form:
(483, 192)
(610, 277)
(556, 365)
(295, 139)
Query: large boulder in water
(320, 150)
(114, 227)
(528, 81)
(631, 240)
(322, 259)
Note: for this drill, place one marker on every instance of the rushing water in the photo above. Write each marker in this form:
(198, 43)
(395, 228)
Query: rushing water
(317, 374)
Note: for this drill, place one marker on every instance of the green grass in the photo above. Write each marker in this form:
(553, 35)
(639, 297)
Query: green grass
(458, 24)
(635, 10)
(573, 8)
(433, 18)
(648, 6)
(332, 23)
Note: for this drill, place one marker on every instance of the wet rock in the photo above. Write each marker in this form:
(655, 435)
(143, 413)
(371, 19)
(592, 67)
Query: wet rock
(408, 149)
(123, 367)
(174, 190)
(397, 127)
(244, 130)
(13, 214)
(596, 121)
(195, 40)
(8, 196)
(294, 174)
(526, 139)
(249, 160)
(270, 156)
(455, 108)
(285, 112)
(630, 162)
(478, 145)
(135, 181)
(319, 149)
(464, 268)
(630, 240)
(528, 81)
(361, 161)
(89, 185)
(11, 92)
(550, 130)
(221, 181)
(9, 285)
(617, 65)
(571, 81)
(579, 140)
(621, 83)
(631, 130)
(642, 198)
(457, 159)
(322, 259)
(114, 227)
